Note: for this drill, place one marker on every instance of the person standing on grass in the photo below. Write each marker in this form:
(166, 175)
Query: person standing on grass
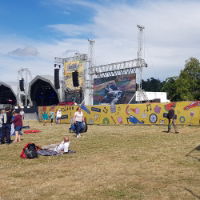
(7, 121)
(45, 118)
(78, 121)
(58, 116)
(51, 117)
(172, 119)
(17, 121)
(1, 124)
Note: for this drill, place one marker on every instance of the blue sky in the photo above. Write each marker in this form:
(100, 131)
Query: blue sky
(33, 32)
(31, 18)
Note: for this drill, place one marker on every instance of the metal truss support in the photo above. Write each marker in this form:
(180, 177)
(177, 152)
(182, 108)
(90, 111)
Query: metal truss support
(88, 86)
(119, 68)
(25, 75)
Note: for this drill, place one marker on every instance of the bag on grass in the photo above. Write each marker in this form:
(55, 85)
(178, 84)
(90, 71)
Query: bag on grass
(29, 151)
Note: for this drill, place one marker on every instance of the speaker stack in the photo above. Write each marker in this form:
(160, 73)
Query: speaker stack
(75, 79)
(56, 77)
(21, 84)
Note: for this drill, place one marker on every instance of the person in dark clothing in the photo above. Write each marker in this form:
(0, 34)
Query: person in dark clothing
(172, 120)
(1, 124)
(7, 121)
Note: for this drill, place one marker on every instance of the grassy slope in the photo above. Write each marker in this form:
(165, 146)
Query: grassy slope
(122, 162)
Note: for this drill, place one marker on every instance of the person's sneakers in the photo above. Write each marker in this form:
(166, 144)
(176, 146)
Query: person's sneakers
(9, 142)
(78, 136)
(69, 151)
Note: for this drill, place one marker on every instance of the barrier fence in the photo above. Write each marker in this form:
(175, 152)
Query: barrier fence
(188, 113)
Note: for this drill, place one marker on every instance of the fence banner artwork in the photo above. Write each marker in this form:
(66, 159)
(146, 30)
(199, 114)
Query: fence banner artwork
(69, 68)
(114, 89)
(188, 113)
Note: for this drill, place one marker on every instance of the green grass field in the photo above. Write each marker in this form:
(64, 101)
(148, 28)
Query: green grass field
(111, 162)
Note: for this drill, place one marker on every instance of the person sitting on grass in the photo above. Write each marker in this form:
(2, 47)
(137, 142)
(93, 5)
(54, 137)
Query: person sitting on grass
(63, 147)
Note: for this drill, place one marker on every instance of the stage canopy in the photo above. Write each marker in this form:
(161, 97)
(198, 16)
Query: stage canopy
(7, 95)
(42, 92)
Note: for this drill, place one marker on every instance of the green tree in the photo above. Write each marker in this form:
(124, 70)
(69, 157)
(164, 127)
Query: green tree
(169, 86)
(188, 83)
(152, 85)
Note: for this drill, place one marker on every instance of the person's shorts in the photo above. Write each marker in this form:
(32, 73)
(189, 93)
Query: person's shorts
(18, 128)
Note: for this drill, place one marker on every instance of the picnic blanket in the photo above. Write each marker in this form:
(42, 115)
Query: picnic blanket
(31, 131)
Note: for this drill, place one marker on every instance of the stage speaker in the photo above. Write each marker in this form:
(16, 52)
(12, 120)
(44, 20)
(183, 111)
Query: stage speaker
(56, 79)
(21, 84)
(75, 79)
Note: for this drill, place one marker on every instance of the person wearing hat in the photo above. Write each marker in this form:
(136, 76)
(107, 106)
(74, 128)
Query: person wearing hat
(172, 119)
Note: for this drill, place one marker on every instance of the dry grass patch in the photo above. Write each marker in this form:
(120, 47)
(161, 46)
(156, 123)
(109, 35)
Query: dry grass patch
(112, 162)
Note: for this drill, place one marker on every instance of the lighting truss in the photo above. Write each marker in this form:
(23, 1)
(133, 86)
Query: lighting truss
(118, 68)
(81, 57)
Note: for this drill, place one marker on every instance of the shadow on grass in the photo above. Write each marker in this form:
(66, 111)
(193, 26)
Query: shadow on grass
(165, 131)
(196, 158)
(192, 193)
(197, 148)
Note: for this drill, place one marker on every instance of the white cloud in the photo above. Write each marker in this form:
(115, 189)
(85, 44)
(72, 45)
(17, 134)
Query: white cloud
(68, 3)
(172, 32)
(71, 29)
(26, 51)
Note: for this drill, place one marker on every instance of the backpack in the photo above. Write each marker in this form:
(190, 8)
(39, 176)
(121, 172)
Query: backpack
(29, 151)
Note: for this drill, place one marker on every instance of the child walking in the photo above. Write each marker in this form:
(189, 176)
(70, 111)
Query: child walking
(17, 121)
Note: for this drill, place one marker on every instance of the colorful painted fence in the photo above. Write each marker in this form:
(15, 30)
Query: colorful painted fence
(188, 113)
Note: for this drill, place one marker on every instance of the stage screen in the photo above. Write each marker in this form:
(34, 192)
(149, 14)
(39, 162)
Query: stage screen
(69, 68)
(115, 89)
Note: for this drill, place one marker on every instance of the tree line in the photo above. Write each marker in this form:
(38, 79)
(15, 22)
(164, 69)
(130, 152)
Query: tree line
(185, 87)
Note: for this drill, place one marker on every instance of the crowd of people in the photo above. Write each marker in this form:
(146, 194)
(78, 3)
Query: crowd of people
(11, 123)
(78, 122)
(9, 118)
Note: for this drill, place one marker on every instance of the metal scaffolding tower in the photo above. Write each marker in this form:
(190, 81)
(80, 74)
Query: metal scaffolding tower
(119, 68)
(139, 54)
(141, 96)
(88, 89)
(24, 75)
